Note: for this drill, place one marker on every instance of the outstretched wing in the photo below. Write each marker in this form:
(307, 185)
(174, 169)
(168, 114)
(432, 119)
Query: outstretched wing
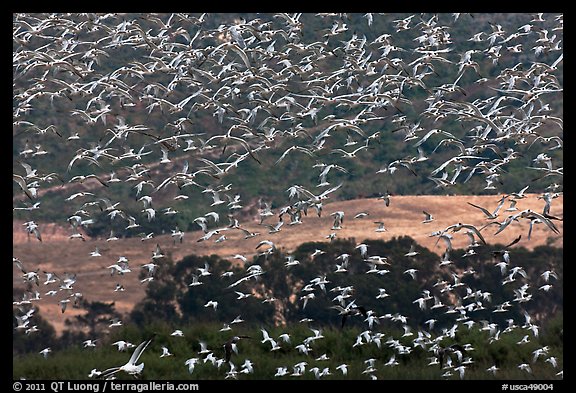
(546, 221)
(514, 241)
(486, 212)
(108, 372)
(139, 349)
(476, 231)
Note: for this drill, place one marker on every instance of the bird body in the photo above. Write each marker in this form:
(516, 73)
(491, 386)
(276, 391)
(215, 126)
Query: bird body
(427, 217)
(412, 252)
(165, 352)
(45, 352)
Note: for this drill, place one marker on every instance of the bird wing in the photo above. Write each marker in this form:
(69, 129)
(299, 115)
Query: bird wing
(265, 335)
(476, 231)
(506, 222)
(247, 147)
(486, 212)
(514, 241)
(22, 183)
(546, 221)
(242, 55)
(139, 350)
(530, 229)
(522, 191)
(284, 154)
(99, 180)
(500, 203)
(446, 240)
(108, 372)
(330, 191)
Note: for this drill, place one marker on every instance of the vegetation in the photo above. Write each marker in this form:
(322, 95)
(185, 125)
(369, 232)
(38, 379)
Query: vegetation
(73, 362)
(172, 304)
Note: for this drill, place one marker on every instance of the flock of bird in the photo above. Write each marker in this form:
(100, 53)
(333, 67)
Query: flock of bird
(228, 90)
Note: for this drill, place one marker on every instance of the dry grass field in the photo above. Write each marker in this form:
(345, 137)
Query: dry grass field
(57, 253)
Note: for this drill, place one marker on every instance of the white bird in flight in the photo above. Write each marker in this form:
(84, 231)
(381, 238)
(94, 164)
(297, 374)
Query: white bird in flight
(130, 367)
(412, 252)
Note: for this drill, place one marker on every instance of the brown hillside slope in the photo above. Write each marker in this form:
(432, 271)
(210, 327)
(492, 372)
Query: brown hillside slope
(57, 253)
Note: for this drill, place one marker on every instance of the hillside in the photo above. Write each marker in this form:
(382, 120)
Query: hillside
(57, 253)
(391, 132)
(192, 172)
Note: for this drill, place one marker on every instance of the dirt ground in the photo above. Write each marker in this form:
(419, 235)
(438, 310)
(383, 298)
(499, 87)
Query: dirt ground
(60, 254)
